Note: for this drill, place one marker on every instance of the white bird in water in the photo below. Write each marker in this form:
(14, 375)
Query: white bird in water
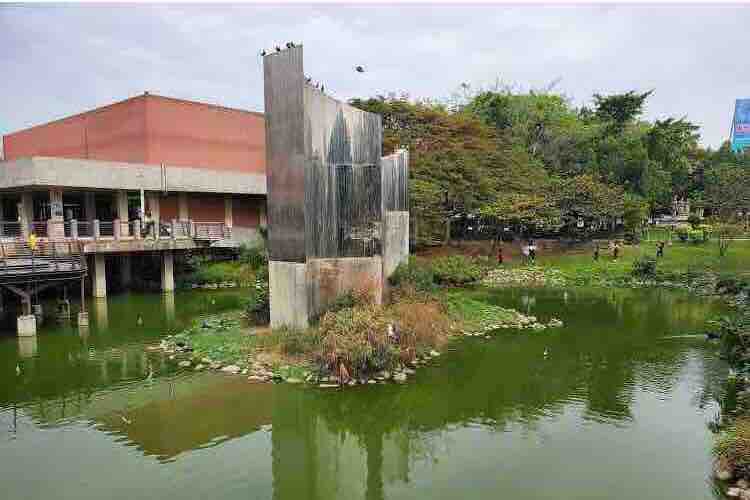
(546, 353)
(125, 420)
(18, 369)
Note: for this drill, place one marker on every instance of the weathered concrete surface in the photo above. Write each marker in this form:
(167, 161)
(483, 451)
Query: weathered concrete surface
(26, 325)
(327, 279)
(395, 241)
(99, 276)
(167, 272)
(94, 174)
(288, 288)
(302, 291)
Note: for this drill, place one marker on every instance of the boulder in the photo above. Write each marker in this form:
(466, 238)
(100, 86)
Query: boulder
(234, 369)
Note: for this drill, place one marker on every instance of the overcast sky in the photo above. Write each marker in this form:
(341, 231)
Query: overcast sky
(60, 60)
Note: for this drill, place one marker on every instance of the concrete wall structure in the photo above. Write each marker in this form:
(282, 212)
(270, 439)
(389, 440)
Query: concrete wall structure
(326, 208)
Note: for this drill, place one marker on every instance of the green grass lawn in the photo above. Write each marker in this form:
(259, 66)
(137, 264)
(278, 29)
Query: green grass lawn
(679, 257)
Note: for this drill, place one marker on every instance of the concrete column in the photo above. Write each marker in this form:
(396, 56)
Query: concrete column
(26, 325)
(55, 223)
(27, 346)
(96, 229)
(228, 216)
(116, 228)
(74, 229)
(89, 206)
(99, 276)
(126, 271)
(153, 206)
(121, 207)
(169, 306)
(137, 229)
(26, 212)
(102, 313)
(167, 272)
(263, 218)
(182, 206)
(288, 294)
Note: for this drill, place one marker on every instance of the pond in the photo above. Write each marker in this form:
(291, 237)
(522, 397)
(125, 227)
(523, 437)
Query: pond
(607, 406)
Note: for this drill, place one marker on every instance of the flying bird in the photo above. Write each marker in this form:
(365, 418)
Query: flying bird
(359, 69)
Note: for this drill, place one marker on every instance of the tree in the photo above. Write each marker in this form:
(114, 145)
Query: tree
(728, 190)
(620, 109)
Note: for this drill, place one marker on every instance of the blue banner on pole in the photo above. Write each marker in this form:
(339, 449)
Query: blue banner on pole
(741, 125)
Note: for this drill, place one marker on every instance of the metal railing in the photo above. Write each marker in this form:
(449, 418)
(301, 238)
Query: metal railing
(10, 229)
(75, 229)
(212, 231)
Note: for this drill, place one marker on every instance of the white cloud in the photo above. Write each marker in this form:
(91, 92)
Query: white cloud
(58, 60)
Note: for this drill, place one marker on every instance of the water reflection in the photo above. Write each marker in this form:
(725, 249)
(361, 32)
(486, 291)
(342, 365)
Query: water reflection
(609, 396)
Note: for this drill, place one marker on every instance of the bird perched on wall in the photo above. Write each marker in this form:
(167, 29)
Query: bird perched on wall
(290, 45)
(278, 49)
(359, 69)
(308, 79)
(263, 52)
(322, 88)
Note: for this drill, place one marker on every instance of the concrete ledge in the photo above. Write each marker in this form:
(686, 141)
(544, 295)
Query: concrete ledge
(96, 174)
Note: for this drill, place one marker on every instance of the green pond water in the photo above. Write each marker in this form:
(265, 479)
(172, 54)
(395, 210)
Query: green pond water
(613, 410)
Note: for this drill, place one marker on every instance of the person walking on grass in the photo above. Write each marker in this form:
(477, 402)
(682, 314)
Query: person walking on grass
(616, 251)
(660, 250)
(532, 251)
(500, 255)
(525, 252)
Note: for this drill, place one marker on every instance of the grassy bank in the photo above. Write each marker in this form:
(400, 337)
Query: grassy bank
(357, 339)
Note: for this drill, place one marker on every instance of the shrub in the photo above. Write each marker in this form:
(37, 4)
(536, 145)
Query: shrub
(694, 220)
(456, 270)
(254, 256)
(291, 341)
(644, 267)
(412, 273)
(420, 325)
(733, 446)
(682, 232)
(355, 342)
(258, 305)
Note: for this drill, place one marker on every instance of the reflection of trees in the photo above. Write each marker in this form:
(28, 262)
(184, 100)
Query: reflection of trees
(601, 366)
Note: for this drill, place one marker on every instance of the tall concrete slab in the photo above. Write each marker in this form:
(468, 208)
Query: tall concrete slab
(326, 202)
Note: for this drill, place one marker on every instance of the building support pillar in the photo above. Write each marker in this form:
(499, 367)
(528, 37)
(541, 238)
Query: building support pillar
(167, 272)
(56, 221)
(26, 212)
(99, 276)
(153, 207)
(121, 213)
(26, 325)
(126, 271)
(183, 211)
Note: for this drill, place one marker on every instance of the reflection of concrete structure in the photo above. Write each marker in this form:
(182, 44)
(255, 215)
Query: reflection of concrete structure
(149, 175)
(336, 210)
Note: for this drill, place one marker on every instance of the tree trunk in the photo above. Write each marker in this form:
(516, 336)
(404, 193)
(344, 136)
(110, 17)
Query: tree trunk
(447, 231)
